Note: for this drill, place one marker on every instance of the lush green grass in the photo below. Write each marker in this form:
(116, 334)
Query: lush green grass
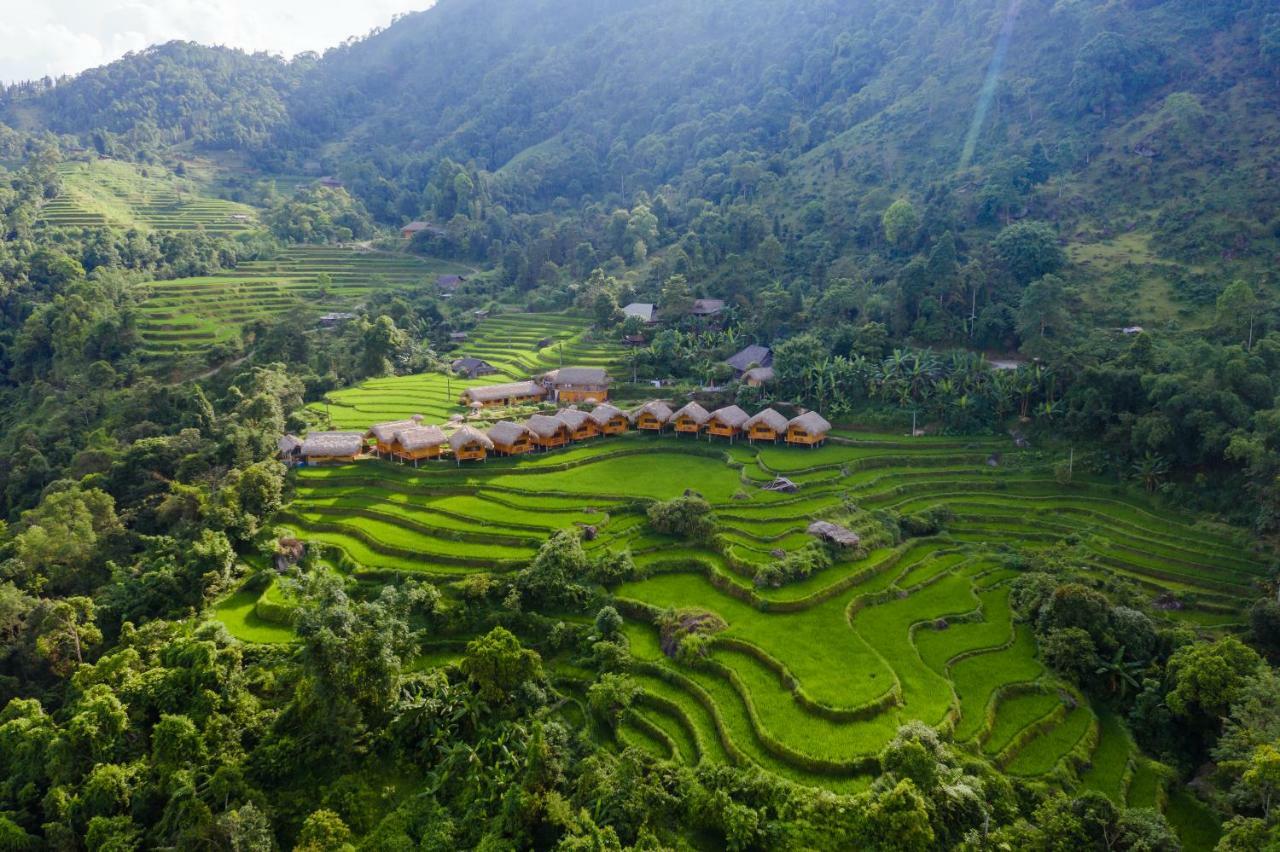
(1198, 826)
(1015, 714)
(236, 611)
(1044, 752)
(977, 678)
(1110, 760)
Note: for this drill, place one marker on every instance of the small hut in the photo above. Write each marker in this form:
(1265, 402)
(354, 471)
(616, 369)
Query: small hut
(320, 447)
(511, 439)
(690, 419)
(726, 422)
(808, 430)
(609, 420)
(548, 432)
(419, 442)
(768, 425)
(758, 377)
(652, 416)
(469, 444)
(835, 534)
(581, 426)
(385, 433)
(512, 393)
(289, 447)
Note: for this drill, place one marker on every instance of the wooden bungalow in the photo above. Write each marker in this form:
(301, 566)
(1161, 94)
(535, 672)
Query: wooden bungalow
(384, 434)
(514, 393)
(511, 439)
(758, 377)
(609, 420)
(727, 422)
(419, 442)
(320, 447)
(768, 425)
(469, 444)
(548, 432)
(652, 416)
(289, 447)
(690, 419)
(808, 430)
(581, 426)
(578, 384)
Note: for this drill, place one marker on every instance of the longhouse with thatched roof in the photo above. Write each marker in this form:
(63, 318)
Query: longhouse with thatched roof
(469, 444)
(726, 422)
(512, 393)
(385, 433)
(652, 416)
(609, 419)
(690, 419)
(419, 442)
(768, 425)
(578, 384)
(808, 430)
(319, 447)
(511, 439)
(548, 432)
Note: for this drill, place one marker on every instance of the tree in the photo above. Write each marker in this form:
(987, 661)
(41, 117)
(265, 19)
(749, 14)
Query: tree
(900, 223)
(687, 517)
(380, 344)
(1262, 778)
(554, 577)
(499, 666)
(1208, 677)
(60, 538)
(1042, 309)
(324, 831)
(1070, 652)
(65, 630)
(1029, 250)
(1237, 312)
(611, 696)
(676, 299)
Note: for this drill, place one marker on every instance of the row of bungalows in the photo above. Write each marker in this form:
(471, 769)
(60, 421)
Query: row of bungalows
(809, 429)
(552, 431)
(568, 385)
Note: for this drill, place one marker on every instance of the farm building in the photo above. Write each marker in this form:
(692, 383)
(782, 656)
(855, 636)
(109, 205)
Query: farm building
(457, 336)
(469, 444)
(548, 432)
(319, 447)
(809, 429)
(768, 425)
(690, 419)
(413, 228)
(581, 426)
(750, 357)
(646, 312)
(706, 307)
(651, 417)
(332, 318)
(449, 283)
(727, 422)
(385, 433)
(758, 377)
(609, 420)
(578, 384)
(416, 443)
(289, 447)
(473, 368)
(513, 393)
(511, 439)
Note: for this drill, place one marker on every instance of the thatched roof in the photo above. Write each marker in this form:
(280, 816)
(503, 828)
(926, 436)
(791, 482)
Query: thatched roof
(769, 419)
(420, 437)
(811, 422)
(386, 432)
(469, 435)
(758, 356)
(835, 533)
(573, 418)
(781, 484)
(694, 412)
(333, 444)
(763, 375)
(602, 414)
(578, 376)
(731, 416)
(643, 310)
(707, 307)
(657, 408)
(507, 433)
(492, 393)
(544, 426)
(288, 443)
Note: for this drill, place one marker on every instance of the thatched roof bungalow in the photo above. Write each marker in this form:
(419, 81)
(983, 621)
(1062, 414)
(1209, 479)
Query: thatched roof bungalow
(331, 447)
(511, 439)
(578, 384)
(512, 393)
(581, 426)
(289, 447)
(652, 416)
(809, 429)
(609, 419)
(758, 377)
(727, 422)
(548, 432)
(419, 442)
(768, 425)
(690, 419)
(385, 433)
(469, 444)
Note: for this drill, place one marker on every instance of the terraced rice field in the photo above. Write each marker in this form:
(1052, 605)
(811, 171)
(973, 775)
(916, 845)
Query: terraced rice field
(189, 315)
(809, 680)
(127, 195)
(523, 345)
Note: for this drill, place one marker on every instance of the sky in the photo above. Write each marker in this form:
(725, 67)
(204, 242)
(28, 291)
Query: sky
(52, 37)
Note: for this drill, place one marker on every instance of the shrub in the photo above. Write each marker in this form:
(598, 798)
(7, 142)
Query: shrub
(687, 517)
(796, 565)
(929, 522)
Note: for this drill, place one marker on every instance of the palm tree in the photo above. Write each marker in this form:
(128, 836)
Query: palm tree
(1151, 469)
(1121, 673)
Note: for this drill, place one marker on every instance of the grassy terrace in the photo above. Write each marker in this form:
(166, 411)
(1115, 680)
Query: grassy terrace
(809, 680)
(188, 315)
(522, 345)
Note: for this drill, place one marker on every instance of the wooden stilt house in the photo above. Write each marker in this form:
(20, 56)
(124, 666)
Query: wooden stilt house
(726, 422)
(321, 447)
(419, 443)
(768, 425)
(581, 426)
(609, 420)
(384, 434)
(511, 439)
(690, 419)
(548, 432)
(808, 430)
(652, 416)
(469, 444)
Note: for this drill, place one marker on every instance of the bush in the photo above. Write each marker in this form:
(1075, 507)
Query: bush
(687, 517)
(929, 522)
(797, 565)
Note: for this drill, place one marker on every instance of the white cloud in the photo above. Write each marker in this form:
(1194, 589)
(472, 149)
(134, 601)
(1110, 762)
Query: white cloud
(51, 37)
